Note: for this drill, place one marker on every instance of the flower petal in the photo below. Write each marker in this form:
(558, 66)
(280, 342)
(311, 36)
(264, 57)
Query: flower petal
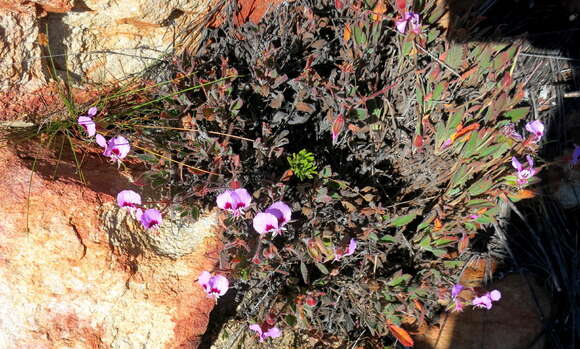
(282, 212)
(220, 283)
(203, 279)
(88, 124)
(456, 290)
(401, 25)
(244, 198)
(151, 218)
(128, 198)
(92, 111)
(516, 164)
(495, 295)
(274, 332)
(351, 247)
(225, 201)
(257, 328)
(101, 141)
(265, 222)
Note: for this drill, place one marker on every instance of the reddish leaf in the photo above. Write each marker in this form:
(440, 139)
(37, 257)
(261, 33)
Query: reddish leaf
(402, 335)
(338, 4)
(287, 175)
(418, 141)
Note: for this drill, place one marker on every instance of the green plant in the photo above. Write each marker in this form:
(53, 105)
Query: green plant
(303, 164)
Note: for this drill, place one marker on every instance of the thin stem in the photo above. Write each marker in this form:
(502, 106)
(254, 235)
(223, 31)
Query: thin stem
(178, 162)
(193, 130)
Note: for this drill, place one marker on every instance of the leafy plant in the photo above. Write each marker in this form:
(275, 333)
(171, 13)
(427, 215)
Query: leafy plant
(303, 164)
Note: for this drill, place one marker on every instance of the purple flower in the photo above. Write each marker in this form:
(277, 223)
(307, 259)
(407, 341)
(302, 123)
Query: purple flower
(273, 332)
(510, 131)
(282, 212)
(88, 124)
(575, 156)
(234, 201)
(151, 218)
(116, 148)
(128, 198)
(524, 174)
(339, 253)
(214, 286)
(486, 300)
(536, 128)
(409, 21)
(456, 290)
(265, 223)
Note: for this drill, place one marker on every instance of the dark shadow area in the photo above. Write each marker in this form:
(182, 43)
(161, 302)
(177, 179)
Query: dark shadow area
(539, 238)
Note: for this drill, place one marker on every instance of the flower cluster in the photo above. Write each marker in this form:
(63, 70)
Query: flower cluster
(481, 302)
(536, 130)
(234, 201)
(273, 219)
(409, 21)
(115, 148)
(150, 218)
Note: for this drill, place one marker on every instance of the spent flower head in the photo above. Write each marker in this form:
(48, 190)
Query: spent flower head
(215, 286)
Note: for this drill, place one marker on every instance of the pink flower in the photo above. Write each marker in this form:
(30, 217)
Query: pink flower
(339, 253)
(535, 127)
(486, 300)
(575, 156)
(273, 332)
(88, 124)
(265, 223)
(410, 21)
(524, 174)
(282, 212)
(116, 148)
(214, 286)
(510, 131)
(234, 201)
(151, 218)
(128, 198)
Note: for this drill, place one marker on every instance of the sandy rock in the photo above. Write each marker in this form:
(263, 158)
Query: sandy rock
(76, 280)
(91, 41)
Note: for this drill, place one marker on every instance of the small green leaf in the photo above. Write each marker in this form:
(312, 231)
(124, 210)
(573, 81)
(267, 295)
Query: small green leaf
(322, 268)
(403, 220)
(517, 113)
(387, 238)
(399, 280)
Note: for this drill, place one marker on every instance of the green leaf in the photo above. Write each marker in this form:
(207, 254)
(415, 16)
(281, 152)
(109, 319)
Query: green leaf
(359, 36)
(480, 203)
(322, 268)
(399, 280)
(455, 56)
(403, 220)
(459, 177)
(480, 187)
(453, 264)
(290, 320)
(517, 113)
(304, 272)
(387, 238)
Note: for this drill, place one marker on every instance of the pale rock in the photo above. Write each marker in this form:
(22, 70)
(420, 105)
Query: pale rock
(86, 274)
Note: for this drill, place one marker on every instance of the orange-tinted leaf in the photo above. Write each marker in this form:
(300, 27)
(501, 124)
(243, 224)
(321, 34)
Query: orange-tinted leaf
(286, 176)
(305, 107)
(438, 224)
(524, 194)
(463, 130)
(378, 11)
(463, 243)
(402, 335)
(347, 32)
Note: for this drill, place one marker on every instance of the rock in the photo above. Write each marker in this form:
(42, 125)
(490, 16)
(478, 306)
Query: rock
(513, 322)
(76, 279)
(91, 41)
